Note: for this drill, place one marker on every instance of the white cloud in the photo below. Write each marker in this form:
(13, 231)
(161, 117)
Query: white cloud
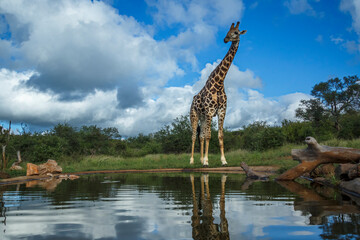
(251, 105)
(200, 20)
(23, 103)
(90, 65)
(336, 40)
(353, 7)
(80, 46)
(299, 6)
(189, 13)
(319, 38)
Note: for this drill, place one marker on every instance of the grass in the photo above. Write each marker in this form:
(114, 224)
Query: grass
(280, 157)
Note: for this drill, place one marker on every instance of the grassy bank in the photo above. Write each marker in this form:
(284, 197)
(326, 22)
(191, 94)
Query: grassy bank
(279, 157)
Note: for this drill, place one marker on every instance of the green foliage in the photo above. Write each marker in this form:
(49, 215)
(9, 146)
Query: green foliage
(312, 110)
(339, 95)
(259, 136)
(350, 126)
(70, 136)
(296, 132)
(175, 138)
(333, 99)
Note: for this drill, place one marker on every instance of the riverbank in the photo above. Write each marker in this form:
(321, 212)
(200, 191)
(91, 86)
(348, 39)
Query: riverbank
(280, 157)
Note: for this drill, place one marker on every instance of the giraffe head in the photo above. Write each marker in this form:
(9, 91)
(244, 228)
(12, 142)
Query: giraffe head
(234, 33)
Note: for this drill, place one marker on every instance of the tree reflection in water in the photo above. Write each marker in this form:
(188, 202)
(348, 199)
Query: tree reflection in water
(203, 226)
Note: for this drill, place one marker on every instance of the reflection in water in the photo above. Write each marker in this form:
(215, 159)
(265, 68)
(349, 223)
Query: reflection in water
(49, 184)
(174, 206)
(203, 226)
(318, 202)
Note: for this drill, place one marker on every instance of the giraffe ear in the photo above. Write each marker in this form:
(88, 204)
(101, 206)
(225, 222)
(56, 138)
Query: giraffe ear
(237, 25)
(243, 32)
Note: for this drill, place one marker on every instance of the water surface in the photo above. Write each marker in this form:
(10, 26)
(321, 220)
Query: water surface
(175, 206)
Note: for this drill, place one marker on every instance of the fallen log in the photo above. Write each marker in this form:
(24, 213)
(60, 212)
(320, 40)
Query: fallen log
(315, 155)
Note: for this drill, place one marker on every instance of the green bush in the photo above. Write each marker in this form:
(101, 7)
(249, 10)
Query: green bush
(296, 132)
(349, 126)
(259, 136)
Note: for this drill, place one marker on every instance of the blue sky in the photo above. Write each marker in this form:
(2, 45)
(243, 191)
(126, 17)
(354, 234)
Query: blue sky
(135, 65)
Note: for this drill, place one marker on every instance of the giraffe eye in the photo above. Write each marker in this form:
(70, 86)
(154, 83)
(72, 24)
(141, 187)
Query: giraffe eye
(237, 33)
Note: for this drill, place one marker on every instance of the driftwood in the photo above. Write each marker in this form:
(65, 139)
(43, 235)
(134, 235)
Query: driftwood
(315, 155)
(347, 171)
(251, 174)
(16, 165)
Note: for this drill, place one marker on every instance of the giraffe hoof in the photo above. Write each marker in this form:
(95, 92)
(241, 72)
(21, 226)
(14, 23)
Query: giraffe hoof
(205, 166)
(224, 165)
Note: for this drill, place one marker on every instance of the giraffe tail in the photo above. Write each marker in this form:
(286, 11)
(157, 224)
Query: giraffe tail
(198, 130)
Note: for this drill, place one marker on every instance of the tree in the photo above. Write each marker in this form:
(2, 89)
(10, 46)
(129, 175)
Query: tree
(71, 137)
(339, 96)
(4, 139)
(311, 110)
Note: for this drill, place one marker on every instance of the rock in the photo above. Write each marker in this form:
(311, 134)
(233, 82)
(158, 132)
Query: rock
(63, 176)
(50, 166)
(72, 177)
(251, 174)
(16, 167)
(353, 185)
(32, 169)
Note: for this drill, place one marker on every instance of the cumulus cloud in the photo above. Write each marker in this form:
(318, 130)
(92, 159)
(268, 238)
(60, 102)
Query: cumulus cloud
(252, 106)
(212, 12)
(299, 6)
(23, 103)
(201, 20)
(352, 7)
(234, 79)
(80, 46)
(89, 65)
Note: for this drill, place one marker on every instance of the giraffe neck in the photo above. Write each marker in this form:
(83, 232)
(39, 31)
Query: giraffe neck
(229, 57)
(221, 70)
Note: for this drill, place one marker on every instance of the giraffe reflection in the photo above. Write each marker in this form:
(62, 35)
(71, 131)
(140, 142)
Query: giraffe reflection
(203, 226)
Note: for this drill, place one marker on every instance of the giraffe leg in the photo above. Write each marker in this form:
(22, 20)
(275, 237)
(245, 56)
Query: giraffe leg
(194, 118)
(221, 118)
(224, 227)
(207, 140)
(202, 138)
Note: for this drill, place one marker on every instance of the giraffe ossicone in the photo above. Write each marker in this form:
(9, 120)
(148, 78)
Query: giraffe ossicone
(211, 101)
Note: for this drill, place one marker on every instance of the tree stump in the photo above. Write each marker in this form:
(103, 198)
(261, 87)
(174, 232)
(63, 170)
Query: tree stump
(315, 155)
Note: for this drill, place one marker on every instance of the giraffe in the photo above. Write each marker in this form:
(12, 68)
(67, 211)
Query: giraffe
(211, 101)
